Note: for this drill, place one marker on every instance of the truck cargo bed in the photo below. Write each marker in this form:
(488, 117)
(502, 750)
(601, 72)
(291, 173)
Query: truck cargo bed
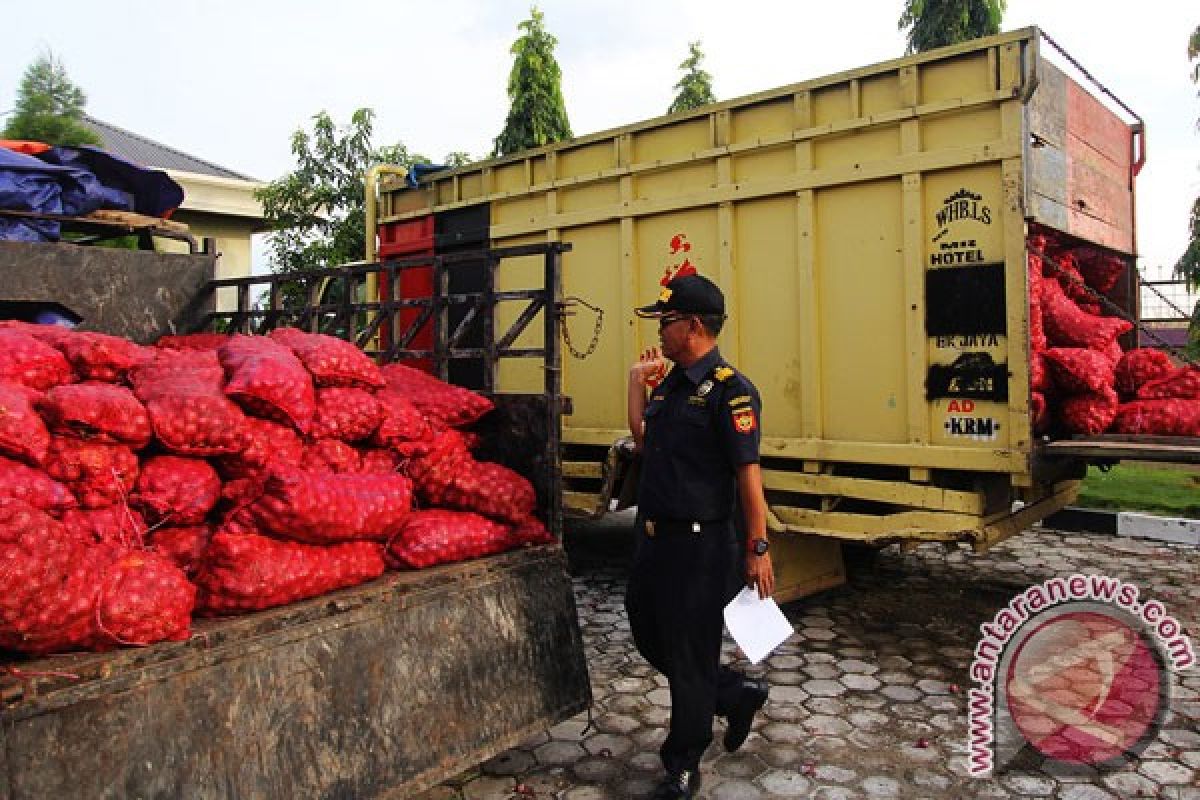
(380, 690)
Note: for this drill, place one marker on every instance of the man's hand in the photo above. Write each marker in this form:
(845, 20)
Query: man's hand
(649, 370)
(760, 574)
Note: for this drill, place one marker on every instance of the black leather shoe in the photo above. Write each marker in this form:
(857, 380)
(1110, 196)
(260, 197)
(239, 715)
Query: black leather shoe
(679, 786)
(754, 696)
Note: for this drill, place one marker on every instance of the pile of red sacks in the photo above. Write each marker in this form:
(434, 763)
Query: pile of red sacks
(221, 474)
(1082, 380)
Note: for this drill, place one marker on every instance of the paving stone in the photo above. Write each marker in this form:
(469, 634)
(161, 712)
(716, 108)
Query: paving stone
(928, 779)
(597, 769)
(571, 729)
(787, 695)
(831, 706)
(782, 733)
(785, 783)
(863, 683)
(617, 723)
(589, 793)
(636, 786)
(558, 753)
(626, 703)
(785, 713)
(902, 694)
(439, 793)
(609, 745)
(1081, 791)
(824, 688)
(832, 774)
(1029, 785)
(489, 787)
(856, 666)
(510, 762)
(826, 672)
(737, 789)
(881, 786)
(660, 697)
(1166, 773)
(836, 793)
(825, 725)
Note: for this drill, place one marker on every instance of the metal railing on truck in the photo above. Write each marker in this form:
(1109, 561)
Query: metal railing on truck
(325, 301)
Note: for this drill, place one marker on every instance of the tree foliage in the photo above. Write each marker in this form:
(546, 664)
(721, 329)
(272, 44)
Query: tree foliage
(49, 106)
(537, 114)
(937, 23)
(316, 212)
(695, 87)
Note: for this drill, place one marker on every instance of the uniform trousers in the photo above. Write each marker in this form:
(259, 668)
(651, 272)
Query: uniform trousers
(678, 588)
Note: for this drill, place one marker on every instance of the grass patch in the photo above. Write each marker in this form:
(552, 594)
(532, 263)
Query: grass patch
(1169, 491)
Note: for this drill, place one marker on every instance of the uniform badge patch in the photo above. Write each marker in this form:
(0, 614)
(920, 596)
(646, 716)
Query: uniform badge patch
(723, 373)
(665, 295)
(704, 388)
(744, 420)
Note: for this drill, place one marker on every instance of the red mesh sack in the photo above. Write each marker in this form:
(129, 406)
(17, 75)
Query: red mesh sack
(1039, 375)
(433, 471)
(490, 489)
(379, 461)
(443, 404)
(100, 357)
(49, 577)
(1069, 326)
(324, 509)
(192, 341)
(184, 547)
(1173, 416)
(1114, 353)
(531, 531)
(177, 490)
(442, 537)
(1099, 268)
(265, 443)
(1139, 367)
(1089, 414)
(23, 434)
(143, 598)
(403, 427)
(29, 362)
(1037, 331)
(247, 572)
(1077, 370)
(331, 361)
(1064, 271)
(119, 526)
(99, 475)
(243, 491)
(99, 412)
(34, 487)
(331, 456)
(347, 414)
(1038, 410)
(268, 380)
(189, 412)
(1183, 382)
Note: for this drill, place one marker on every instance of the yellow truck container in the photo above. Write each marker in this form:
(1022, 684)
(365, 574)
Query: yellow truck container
(869, 231)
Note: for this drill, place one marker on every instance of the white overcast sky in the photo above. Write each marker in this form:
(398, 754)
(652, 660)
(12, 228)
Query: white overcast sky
(230, 81)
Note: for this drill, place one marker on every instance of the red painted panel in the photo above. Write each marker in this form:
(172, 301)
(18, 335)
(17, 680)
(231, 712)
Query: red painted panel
(409, 239)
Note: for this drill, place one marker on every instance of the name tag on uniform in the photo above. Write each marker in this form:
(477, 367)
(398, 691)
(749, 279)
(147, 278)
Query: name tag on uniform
(697, 401)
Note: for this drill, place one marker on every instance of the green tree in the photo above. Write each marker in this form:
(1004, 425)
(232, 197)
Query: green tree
(695, 87)
(1188, 266)
(537, 114)
(937, 23)
(316, 211)
(49, 106)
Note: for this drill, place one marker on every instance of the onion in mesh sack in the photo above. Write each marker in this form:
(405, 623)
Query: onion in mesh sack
(34, 487)
(97, 411)
(268, 380)
(1077, 370)
(1100, 269)
(331, 456)
(265, 443)
(247, 572)
(1183, 383)
(1140, 366)
(1069, 326)
(402, 427)
(188, 410)
(192, 341)
(1090, 414)
(345, 413)
(490, 489)
(118, 526)
(439, 536)
(143, 598)
(99, 475)
(32, 363)
(100, 357)
(331, 361)
(185, 547)
(443, 404)
(177, 490)
(23, 433)
(323, 509)
(379, 461)
(1172, 416)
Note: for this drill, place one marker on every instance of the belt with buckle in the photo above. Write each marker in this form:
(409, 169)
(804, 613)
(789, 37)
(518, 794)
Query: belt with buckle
(669, 526)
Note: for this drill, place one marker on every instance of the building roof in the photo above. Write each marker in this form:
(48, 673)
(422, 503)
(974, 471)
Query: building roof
(149, 153)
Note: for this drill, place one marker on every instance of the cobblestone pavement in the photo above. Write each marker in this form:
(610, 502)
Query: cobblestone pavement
(868, 699)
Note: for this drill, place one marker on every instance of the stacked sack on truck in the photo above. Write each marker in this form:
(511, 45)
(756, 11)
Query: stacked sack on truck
(222, 474)
(1082, 381)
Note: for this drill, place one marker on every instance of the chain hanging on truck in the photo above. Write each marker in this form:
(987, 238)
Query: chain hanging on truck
(1116, 310)
(566, 304)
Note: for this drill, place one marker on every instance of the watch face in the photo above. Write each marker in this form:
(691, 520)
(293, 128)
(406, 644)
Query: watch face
(760, 546)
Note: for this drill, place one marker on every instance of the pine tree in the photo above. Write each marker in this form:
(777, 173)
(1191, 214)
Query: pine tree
(537, 114)
(695, 87)
(49, 106)
(937, 23)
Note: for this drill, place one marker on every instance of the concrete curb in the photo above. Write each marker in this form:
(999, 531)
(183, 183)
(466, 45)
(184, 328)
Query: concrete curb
(1177, 530)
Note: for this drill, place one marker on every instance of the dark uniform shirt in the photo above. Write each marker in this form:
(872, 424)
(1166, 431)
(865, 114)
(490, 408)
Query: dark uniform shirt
(702, 423)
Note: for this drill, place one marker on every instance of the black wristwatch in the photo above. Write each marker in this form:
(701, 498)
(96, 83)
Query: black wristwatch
(759, 546)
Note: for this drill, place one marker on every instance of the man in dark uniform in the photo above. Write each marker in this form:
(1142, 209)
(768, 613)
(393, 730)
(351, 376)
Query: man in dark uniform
(698, 433)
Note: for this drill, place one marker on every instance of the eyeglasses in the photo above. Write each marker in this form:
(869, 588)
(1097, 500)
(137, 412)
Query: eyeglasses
(663, 322)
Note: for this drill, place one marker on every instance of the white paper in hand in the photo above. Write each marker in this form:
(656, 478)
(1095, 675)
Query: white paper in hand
(757, 625)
